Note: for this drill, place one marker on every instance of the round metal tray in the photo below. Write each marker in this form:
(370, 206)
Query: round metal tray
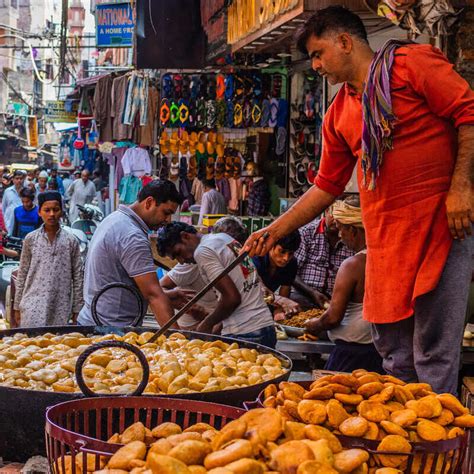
(22, 423)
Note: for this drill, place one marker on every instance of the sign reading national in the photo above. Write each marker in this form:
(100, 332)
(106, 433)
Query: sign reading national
(114, 25)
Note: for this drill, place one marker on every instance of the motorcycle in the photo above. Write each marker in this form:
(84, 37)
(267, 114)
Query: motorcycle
(89, 218)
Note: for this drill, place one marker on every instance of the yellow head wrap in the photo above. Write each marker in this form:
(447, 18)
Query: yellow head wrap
(347, 214)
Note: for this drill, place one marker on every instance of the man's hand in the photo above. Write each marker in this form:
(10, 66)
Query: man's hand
(198, 312)
(74, 318)
(289, 307)
(178, 298)
(313, 326)
(258, 245)
(205, 327)
(319, 299)
(16, 318)
(459, 211)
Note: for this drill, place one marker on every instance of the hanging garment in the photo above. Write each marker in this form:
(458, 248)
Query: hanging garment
(118, 95)
(103, 107)
(136, 161)
(129, 188)
(197, 190)
(136, 101)
(223, 187)
(148, 132)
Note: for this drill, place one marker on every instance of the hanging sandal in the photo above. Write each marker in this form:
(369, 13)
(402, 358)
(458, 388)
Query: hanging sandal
(220, 86)
(201, 113)
(167, 86)
(265, 113)
(183, 112)
(238, 115)
(174, 113)
(247, 114)
(164, 112)
(211, 114)
(256, 114)
(229, 115)
(273, 113)
(229, 87)
(221, 112)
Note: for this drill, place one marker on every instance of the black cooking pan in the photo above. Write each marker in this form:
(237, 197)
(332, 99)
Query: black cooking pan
(22, 412)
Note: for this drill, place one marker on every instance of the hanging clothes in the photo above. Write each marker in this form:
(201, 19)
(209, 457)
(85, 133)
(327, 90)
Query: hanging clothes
(197, 190)
(148, 133)
(223, 187)
(136, 161)
(136, 101)
(103, 107)
(129, 188)
(118, 96)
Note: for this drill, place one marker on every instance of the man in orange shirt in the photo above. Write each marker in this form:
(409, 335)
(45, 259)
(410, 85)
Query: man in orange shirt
(405, 118)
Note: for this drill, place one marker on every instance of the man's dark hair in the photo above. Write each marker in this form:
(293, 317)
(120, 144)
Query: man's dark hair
(331, 19)
(53, 183)
(161, 190)
(209, 183)
(27, 193)
(19, 173)
(170, 235)
(291, 242)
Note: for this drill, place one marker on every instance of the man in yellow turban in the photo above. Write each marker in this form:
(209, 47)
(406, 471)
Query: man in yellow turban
(343, 319)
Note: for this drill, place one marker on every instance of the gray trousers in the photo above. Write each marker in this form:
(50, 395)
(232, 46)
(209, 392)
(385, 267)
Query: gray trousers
(427, 346)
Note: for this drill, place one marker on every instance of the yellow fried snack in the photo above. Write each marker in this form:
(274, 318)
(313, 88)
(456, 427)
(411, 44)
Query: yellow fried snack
(191, 451)
(452, 403)
(126, 454)
(370, 388)
(270, 402)
(233, 430)
(352, 399)
(426, 407)
(179, 438)
(430, 431)
(311, 411)
(372, 431)
(199, 428)
(270, 391)
(445, 419)
(314, 467)
(455, 432)
(394, 406)
(166, 429)
(397, 444)
(417, 388)
(298, 390)
(393, 428)
(159, 463)
(336, 413)
(286, 458)
(321, 450)
(316, 433)
(388, 470)
(235, 450)
(266, 421)
(464, 421)
(135, 432)
(319, 393)
(354, 426)
(245, 466)
(391, 379)
(403, 418)
(368, 378)
(349, 460)
(292, 408)
(294, 430)
(348, 380)
(162, 446)
(384, 396)
(402, 395)
(339, 388)
(373, 411)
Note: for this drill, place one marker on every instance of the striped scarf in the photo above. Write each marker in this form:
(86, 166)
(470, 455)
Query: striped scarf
(378, 117)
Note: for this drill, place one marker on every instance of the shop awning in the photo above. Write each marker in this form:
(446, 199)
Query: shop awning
(277, 34)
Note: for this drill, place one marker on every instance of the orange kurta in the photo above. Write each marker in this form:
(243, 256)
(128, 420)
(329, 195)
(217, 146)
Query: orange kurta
(407, 233)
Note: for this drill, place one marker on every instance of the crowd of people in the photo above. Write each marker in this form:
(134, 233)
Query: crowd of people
(390, 267)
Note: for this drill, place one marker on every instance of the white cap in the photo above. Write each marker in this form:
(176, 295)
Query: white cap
(43, 174)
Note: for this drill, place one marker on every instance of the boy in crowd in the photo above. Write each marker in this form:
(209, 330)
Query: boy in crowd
(26, 216)
(241, 308)
(49, 284)
(278, 271)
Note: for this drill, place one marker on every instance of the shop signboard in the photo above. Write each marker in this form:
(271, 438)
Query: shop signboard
(17, 108)
(245, 17)
(32, 132)
(114, 25)
(55, 111)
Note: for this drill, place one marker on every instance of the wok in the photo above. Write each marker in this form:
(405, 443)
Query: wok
(22, 412)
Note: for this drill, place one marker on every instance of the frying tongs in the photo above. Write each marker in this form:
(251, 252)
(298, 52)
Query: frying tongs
(201, 293)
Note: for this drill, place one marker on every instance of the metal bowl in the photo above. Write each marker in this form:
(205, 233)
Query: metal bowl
(23, 411)
(292, 331)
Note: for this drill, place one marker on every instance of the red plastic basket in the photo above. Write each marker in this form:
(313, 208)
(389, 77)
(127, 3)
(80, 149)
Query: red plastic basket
(77, 431)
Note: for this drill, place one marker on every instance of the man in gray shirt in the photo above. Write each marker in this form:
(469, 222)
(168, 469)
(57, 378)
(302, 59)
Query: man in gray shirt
(213, 202)
(120, 252)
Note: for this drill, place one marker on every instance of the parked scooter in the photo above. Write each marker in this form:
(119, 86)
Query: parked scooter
(89, 218)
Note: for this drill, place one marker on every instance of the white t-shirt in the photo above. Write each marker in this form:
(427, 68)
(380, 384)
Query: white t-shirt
(214, 253)
(187, 277)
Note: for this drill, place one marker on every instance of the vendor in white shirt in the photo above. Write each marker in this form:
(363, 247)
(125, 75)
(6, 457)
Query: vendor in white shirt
(186, 276)
(241, 308)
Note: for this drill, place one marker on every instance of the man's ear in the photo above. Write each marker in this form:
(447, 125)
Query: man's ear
(346, 43)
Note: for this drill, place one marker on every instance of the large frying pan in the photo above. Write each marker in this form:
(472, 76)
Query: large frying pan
(22, 412)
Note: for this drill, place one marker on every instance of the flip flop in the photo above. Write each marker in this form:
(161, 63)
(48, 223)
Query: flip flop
(185, 88)
(200, 113)
(167, 86)
(164, 112)
(229, 87)
(221, 112)
(183, 112)
(282, 115)
(309, 105)
(238, 115)
(174, 113)
(211, 88)
(280, 147)
(211, 114)
(265, 113)
(178, 85)
(220, 86)
(256, 114)
(273, 113)
(229, 114)
(247, 114)
(192, 168)
(195, 87)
